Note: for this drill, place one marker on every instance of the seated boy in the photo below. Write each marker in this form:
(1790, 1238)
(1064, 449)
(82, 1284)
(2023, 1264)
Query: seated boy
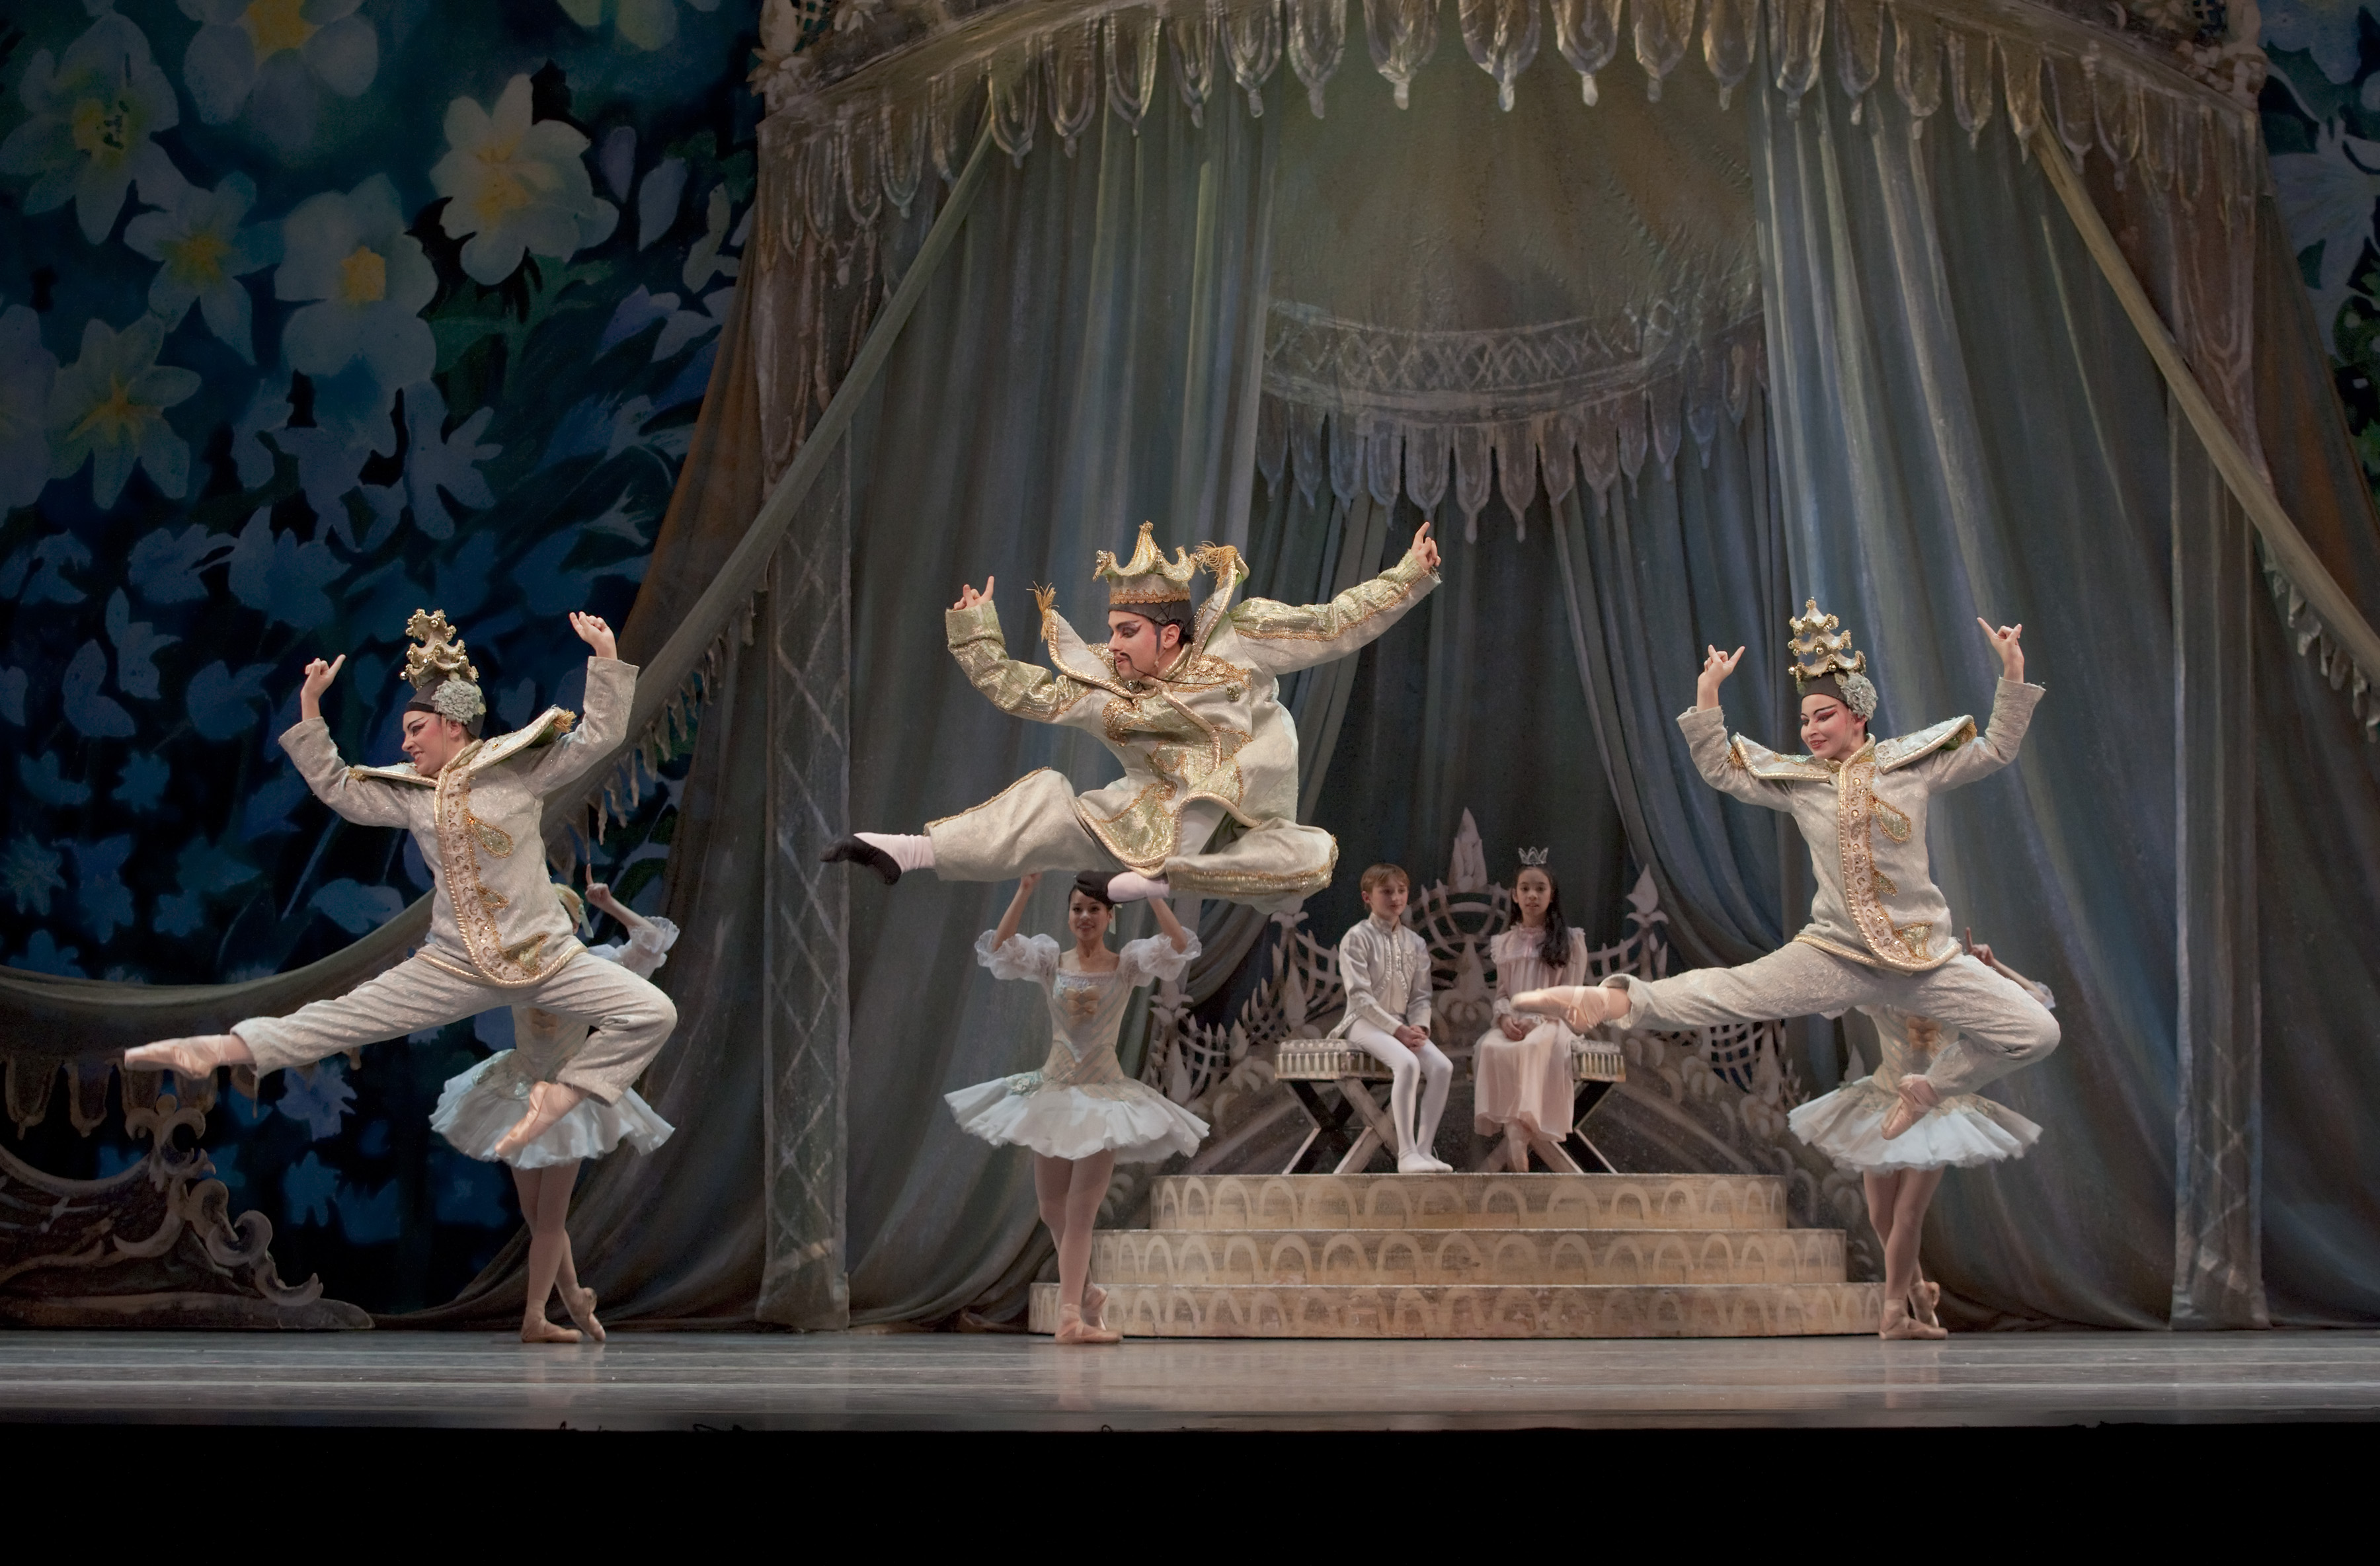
(1385, 968)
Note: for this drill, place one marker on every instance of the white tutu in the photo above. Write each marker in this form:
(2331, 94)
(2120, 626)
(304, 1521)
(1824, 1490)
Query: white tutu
(483, 1103)
(1141, 1124)
(1960, 1132)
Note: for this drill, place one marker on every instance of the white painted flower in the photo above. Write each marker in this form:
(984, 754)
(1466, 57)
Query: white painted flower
(108, 408)
(274, 58)
(27, 371)
(362, 336)
(2326, 198)
(205, 250)
(514, 184)
(92, 113)
(648, 24)
(2326, 28)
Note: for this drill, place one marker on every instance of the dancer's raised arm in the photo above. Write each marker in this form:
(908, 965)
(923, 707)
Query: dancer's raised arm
(1716, 667)
(1020, 690)
(1279, 637)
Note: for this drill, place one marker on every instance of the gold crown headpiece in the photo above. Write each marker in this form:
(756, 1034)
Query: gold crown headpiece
(440, 657)
(1821, 651)
(1819, 648)
(1147, 577)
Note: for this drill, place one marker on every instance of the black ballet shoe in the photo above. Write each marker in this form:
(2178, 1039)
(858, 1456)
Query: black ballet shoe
(857, 851)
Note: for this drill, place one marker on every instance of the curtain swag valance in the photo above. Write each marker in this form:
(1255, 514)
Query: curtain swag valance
(2178, 112)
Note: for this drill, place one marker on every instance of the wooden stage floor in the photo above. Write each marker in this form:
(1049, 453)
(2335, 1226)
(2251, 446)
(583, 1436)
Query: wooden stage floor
(919, 1381)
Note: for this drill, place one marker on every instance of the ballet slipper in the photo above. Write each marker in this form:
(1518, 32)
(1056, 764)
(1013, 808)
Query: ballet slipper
(1095, 1305)
(1916, 1101)
(538, 1329)
(580, 1304)
(1128, 886)
(1899, 1325)
(1583, 1006)
(1418, 1164)
(194, 1057)
(849, 849)
(1922, 1299)
(547, 1102)
(1073, 1329)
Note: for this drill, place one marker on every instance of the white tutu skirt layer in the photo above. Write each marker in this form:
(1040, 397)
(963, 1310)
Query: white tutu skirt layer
(1960, 1132)
(1133, 1121)
(483, 1103)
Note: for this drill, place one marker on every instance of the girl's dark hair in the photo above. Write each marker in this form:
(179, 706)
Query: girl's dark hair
(1554, 950)
(1093, 884)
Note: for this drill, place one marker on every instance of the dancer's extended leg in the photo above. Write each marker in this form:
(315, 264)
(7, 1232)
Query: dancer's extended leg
(545, 1206)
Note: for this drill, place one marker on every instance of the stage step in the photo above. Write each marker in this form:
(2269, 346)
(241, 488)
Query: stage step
(1397, 1258)
(1335, 1202)
(1705, 1310)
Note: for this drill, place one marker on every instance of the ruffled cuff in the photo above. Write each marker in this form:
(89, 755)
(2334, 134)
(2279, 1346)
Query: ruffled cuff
(1024, 956)
(1155, 958)
(647, 949)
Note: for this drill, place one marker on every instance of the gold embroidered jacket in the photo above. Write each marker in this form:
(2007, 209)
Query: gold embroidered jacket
(1864, 820)
(1210, 727)
(480, 826)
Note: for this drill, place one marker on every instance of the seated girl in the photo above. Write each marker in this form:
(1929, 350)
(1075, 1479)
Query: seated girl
(1522, 1066)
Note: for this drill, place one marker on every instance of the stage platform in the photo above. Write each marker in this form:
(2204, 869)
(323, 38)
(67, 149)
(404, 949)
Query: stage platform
(861, 1381)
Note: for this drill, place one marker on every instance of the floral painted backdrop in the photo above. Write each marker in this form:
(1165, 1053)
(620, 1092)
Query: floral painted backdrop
(2322, 127)
(313, 313)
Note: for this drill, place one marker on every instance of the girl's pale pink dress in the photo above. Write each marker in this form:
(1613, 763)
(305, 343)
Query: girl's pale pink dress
(1526, 1081)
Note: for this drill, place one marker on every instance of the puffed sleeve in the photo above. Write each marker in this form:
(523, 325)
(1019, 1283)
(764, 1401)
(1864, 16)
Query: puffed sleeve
(647, 949)
(1155, 958)
(1025, 957)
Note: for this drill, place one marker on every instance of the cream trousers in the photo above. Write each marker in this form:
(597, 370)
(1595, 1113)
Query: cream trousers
(1034, 825)
(2000, 1027)
(629, 1017)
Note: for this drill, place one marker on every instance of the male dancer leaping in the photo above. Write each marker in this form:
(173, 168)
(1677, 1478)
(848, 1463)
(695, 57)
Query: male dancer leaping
(1207, 803)
(498, 937)
(1879, 931)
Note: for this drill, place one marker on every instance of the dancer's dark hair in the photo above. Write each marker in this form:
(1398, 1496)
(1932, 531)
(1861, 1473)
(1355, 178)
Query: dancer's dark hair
(1554, 950)
(1174, 611)
(1093, 884)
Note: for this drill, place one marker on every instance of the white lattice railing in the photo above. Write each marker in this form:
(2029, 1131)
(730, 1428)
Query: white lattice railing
(1195, 1063)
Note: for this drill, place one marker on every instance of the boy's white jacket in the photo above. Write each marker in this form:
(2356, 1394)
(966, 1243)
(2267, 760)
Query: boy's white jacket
(480, 826)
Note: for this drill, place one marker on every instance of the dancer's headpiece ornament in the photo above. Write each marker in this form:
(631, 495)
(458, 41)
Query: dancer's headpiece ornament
(1823, 654)
(1147, 577)
(444, 680)
(1535, 858)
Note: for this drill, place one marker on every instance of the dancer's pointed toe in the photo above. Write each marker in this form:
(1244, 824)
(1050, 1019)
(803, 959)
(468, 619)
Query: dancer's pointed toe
(851, 849)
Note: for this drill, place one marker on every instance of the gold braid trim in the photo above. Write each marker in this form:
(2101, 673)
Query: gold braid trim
(475, 921)
(1899, 947)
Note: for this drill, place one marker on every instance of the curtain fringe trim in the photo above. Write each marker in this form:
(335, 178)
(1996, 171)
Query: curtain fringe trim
(2153, 99)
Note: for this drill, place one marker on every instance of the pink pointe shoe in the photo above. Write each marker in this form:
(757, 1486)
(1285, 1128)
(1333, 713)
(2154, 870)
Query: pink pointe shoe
(1073, 1329)
(1583, 1006)
(1898, 1324)
(1917, 1100)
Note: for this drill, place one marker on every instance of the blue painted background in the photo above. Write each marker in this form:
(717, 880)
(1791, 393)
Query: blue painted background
(313, 313)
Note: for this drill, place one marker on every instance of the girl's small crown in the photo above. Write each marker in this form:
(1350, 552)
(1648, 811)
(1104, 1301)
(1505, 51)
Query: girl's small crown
(1535, 858)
